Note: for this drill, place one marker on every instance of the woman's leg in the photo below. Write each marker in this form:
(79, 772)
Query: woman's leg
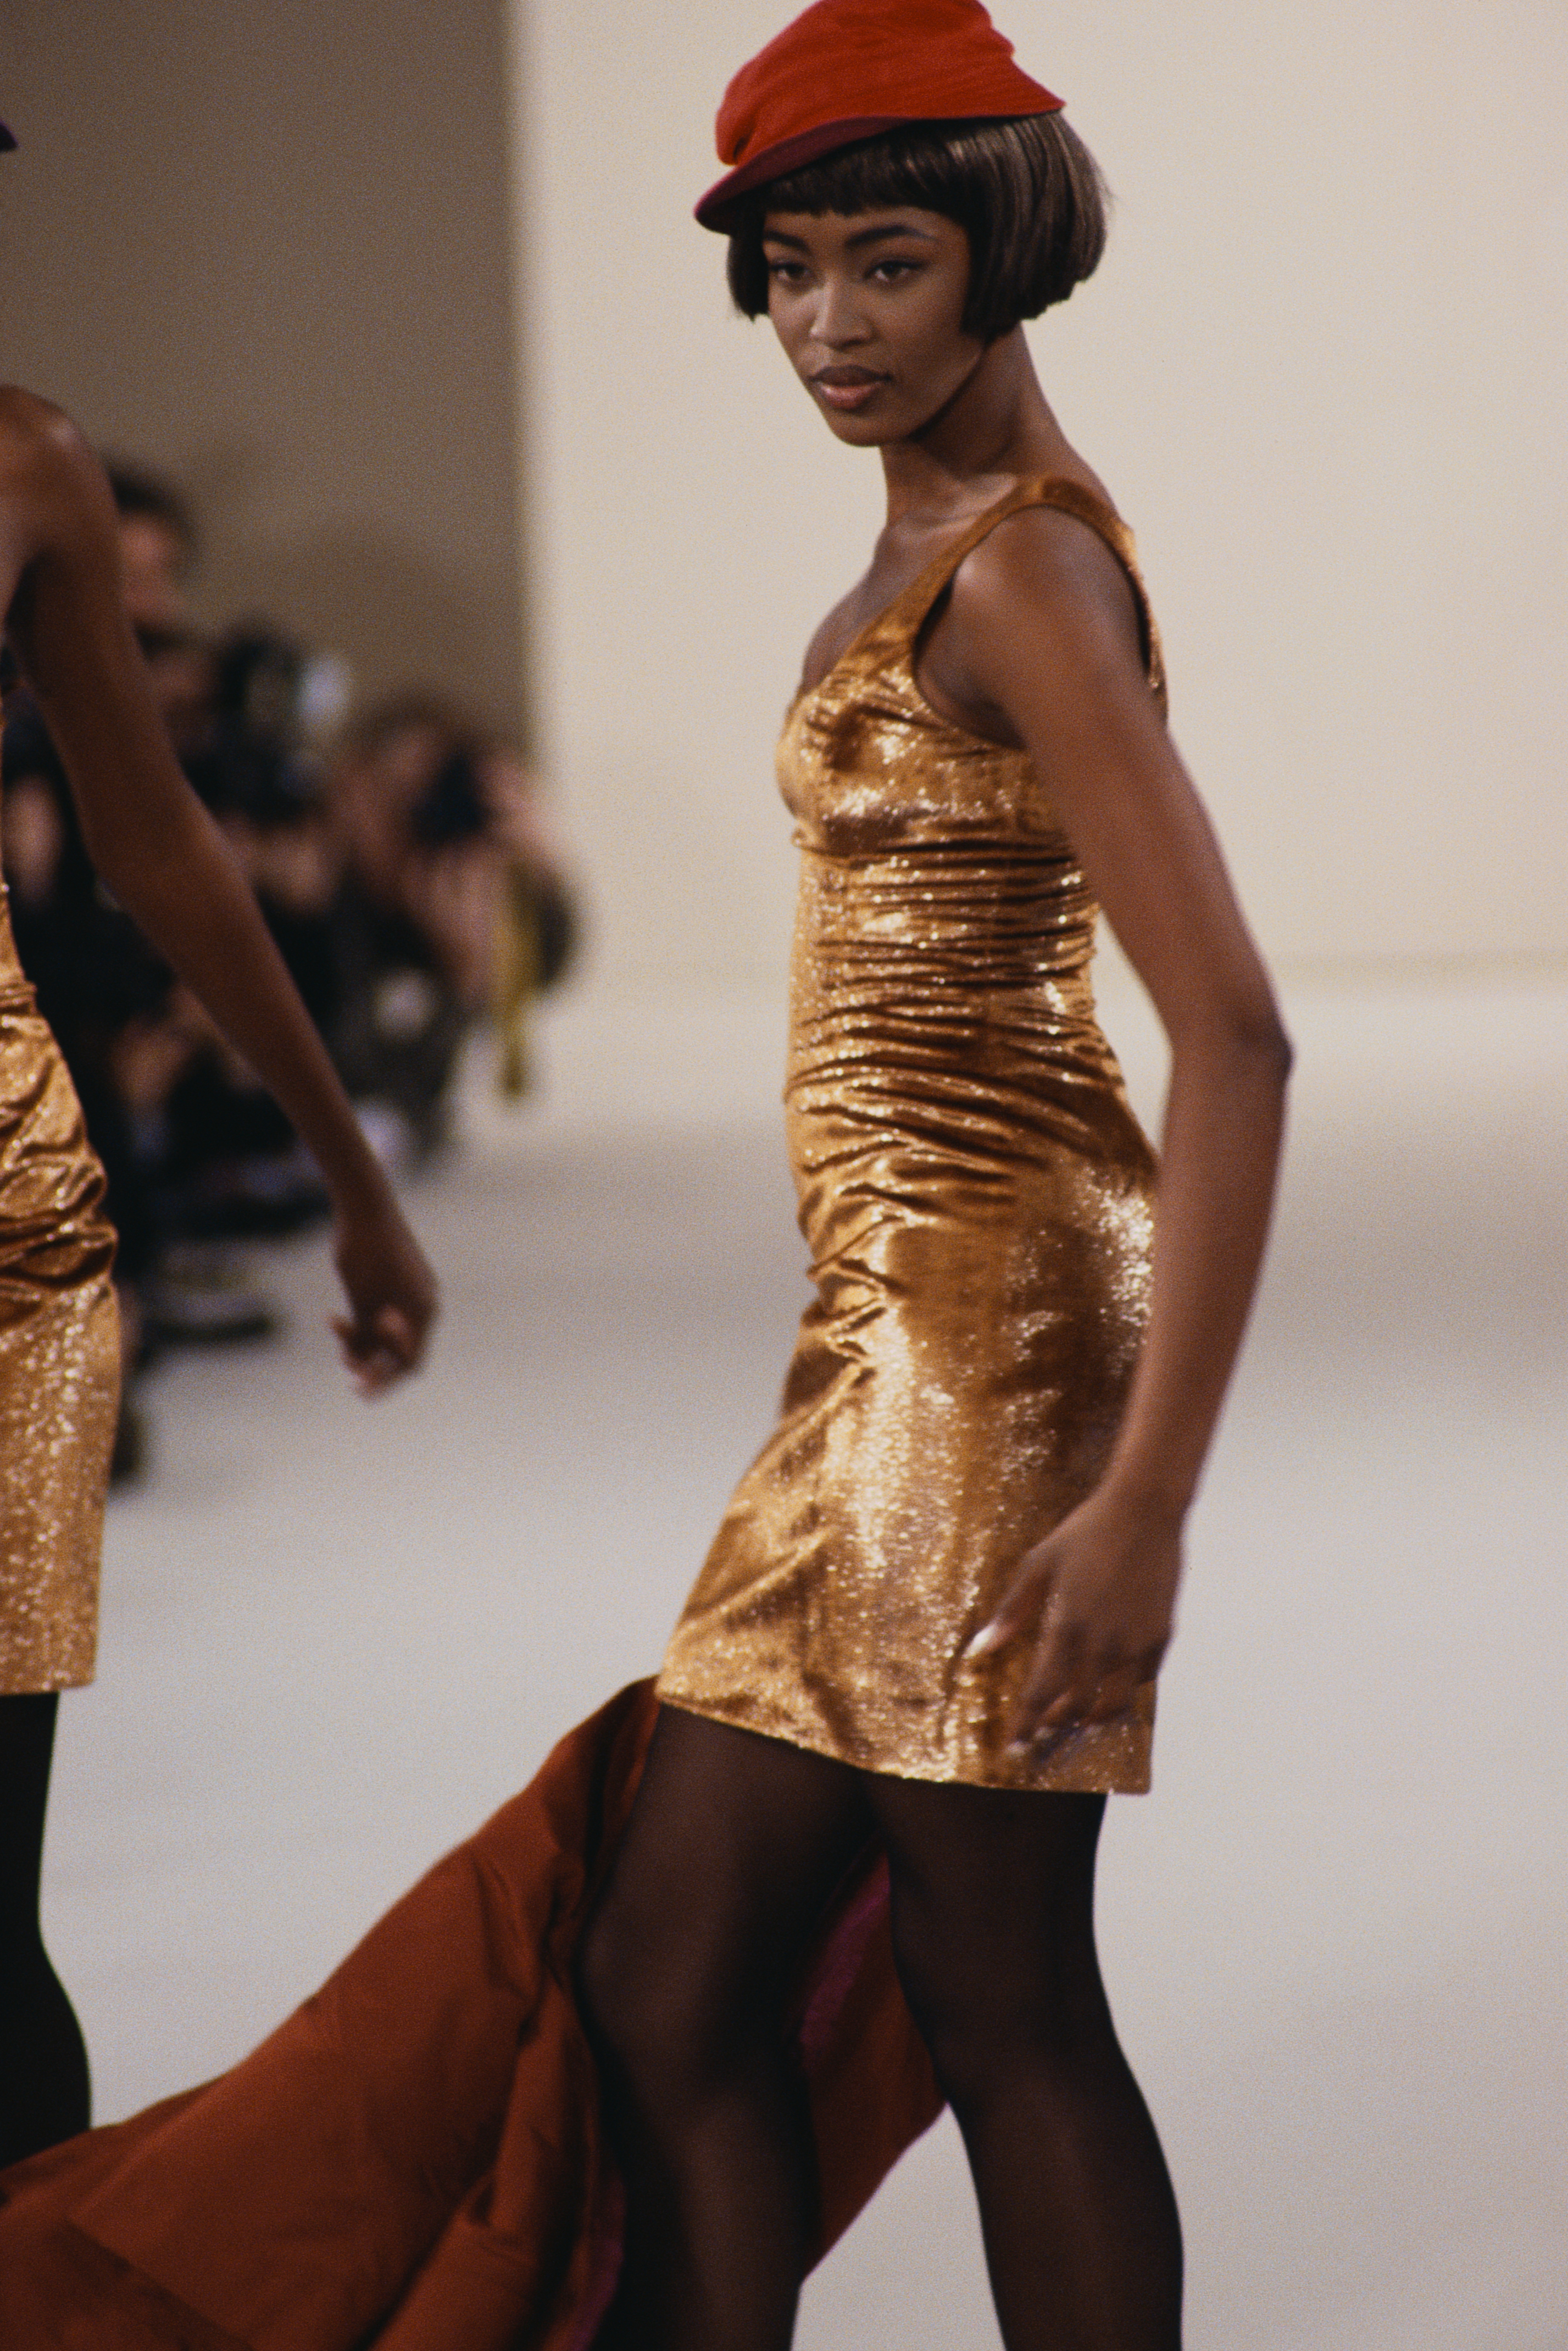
(994, 1931)
(43, 2062)
(734, 1848)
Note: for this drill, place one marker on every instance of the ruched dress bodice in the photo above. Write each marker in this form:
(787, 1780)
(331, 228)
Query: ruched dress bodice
(977, 1198)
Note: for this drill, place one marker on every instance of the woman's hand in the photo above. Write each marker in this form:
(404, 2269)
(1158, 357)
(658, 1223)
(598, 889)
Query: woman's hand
(1098, 1596)
(391, 1292)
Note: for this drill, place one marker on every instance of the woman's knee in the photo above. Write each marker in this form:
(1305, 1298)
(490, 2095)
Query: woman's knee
(686, 1964)
(656, 2005)
(995, 2009)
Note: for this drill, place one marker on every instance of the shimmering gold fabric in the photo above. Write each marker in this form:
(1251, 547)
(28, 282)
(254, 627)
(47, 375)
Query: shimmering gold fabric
(59, 1355)
(977, 1198)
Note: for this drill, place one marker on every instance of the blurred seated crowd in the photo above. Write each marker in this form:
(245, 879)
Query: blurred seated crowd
(401, 861)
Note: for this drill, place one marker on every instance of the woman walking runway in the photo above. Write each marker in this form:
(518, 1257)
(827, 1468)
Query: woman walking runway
(855, 1870)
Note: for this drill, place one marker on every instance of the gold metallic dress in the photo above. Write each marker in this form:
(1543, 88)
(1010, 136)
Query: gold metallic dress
(59, 1355)
(977, 1196)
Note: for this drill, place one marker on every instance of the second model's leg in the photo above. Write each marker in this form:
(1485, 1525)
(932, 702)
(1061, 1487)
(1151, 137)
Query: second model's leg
(43, 2063)
(733, 1850)
(994, 1930)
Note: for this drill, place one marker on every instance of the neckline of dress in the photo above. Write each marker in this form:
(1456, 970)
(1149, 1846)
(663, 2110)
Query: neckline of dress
(960, 545)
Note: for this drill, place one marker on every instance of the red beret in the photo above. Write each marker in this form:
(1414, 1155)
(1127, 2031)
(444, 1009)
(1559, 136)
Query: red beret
(849, 68)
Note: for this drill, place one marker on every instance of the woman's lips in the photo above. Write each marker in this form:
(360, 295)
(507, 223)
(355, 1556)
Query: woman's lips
(846, 388)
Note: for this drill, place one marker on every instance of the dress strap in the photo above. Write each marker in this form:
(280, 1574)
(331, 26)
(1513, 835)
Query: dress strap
(914, 606)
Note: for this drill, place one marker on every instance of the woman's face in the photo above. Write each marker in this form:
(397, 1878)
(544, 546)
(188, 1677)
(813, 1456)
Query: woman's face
(870, 306)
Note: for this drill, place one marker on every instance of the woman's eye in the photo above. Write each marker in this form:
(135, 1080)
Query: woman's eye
(787, 273)
(889, 273)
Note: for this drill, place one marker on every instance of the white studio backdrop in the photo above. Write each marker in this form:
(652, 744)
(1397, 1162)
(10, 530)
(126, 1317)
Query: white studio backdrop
(1324, 369)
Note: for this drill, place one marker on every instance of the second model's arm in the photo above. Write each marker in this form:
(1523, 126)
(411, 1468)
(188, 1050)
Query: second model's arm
(165, 860)
(1043, 636)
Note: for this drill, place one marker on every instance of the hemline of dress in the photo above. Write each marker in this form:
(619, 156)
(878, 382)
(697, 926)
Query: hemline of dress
(1061, 1778)
(53, 1687)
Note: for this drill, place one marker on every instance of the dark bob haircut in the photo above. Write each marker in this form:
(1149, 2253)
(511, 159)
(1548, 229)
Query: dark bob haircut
(1027, 193)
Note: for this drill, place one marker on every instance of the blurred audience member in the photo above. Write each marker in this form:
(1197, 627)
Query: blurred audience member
(156, 545)
(408, 880)
(128, 1036)
(453, 902)
(538, 924)
(231, 1165)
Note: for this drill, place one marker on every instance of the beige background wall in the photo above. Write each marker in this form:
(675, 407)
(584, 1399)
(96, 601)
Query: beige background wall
(264, 245)
(1325, 369)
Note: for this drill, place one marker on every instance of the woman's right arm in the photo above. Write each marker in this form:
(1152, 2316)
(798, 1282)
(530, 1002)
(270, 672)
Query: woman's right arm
(165, 860)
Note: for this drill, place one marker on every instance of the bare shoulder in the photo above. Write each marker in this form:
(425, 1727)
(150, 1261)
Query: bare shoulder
(1041, 613)
(1046, 563)
(33, 432)
(55, 500)
(44, 459)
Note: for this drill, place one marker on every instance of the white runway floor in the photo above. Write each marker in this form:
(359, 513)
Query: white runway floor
(335, 1637)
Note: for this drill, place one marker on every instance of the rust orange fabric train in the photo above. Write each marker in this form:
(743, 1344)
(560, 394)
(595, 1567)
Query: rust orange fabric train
(412, 2163)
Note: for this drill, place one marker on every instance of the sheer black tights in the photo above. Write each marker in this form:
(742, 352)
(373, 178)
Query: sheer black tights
(735, 1845)
(994, 1931)
(43, 2061)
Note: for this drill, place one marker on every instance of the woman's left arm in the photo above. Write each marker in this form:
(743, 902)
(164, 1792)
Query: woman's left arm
(1042, 633)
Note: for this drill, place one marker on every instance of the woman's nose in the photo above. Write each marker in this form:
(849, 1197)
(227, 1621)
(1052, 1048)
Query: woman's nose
(839, 321)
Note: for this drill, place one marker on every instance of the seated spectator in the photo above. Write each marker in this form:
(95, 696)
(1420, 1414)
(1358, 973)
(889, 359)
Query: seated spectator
(129, 1039)
(408, 882)
(536, 935)
(452, 904)
(231, 1164)
(158, 545)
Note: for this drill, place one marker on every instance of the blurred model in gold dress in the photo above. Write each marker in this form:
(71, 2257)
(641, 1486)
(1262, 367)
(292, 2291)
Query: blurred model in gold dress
(68, 635)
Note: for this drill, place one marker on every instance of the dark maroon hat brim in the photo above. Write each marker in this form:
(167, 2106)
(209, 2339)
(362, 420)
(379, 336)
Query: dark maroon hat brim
(715, 209)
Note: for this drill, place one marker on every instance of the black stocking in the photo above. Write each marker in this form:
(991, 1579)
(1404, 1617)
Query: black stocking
(734, 1848)
(994, 1930)
(735, 1845)
(43, 2061)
